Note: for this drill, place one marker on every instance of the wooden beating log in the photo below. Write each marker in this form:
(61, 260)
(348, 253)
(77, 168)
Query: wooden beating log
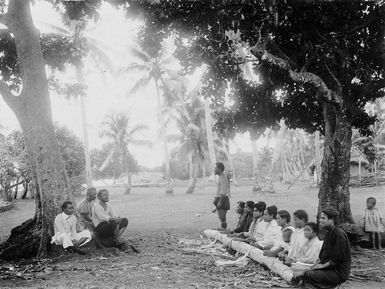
(256, 254)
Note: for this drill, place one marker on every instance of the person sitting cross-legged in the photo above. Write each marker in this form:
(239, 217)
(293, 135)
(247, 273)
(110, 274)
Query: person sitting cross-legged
(85, 209)
(272, 231)
(309, 253)
(298, 237)
(333, 266)
(244, 226)
(241, 217)
(65, 230)
(281, 244)
(108, 226)
(257, 227)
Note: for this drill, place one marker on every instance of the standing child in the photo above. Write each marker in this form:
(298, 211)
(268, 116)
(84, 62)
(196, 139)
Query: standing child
(373, 222)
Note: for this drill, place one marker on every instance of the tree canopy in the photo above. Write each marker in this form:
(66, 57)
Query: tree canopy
(300, 50)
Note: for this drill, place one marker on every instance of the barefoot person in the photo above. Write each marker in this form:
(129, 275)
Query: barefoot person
(373, 222)
(108, 226)
(65, 230)
(222, 201)
(85, 209)
(334, 263)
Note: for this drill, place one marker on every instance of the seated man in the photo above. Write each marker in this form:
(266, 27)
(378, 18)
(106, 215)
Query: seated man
(65, 230)
(245, 226)
(241, 218)
(308, 254)
(108, 226)
(257, 227)
(283, 220)
(85, 209)
(334, 263)
(260, 224)
(280, 245)
(272, 231)
(298, 237)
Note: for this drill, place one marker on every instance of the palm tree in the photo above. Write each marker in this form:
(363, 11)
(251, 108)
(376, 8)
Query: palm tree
(77, 31)
(190, 118)
(117, 129)
(155, 68)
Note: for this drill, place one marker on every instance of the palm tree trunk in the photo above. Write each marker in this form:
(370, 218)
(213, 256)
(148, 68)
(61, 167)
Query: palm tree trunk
(226, 144)
(193, 174)
(209, 132)
(169, 189)
(256, 173)
(80, 77)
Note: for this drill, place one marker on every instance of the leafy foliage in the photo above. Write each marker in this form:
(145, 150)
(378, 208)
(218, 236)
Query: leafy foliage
(338, 43)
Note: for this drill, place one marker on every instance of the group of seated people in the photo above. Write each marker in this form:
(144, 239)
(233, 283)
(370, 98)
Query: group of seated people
(96, 220)
(299, 246)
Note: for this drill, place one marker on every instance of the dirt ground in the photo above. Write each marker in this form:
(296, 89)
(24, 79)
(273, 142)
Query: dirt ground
(157, 223)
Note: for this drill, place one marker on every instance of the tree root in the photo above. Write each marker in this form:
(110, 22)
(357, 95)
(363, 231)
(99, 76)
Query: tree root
(23, 243)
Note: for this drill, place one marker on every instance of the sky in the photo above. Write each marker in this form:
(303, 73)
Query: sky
(107, 94)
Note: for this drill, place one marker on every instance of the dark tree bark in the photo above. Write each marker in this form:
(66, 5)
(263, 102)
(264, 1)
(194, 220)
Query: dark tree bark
(334, 190)
(33, 111)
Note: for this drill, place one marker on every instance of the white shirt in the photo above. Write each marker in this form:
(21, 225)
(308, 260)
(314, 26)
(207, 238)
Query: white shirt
(65, 224)
(309, 253)
(279, 242)
(272, 233)
(99, 214)
(297, 241)
(259, 230)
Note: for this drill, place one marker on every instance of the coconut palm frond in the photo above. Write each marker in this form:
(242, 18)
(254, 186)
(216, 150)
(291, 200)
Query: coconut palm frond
(54, 28)
(135, 129)
(101, 58)
(142, 82)
(140, 54)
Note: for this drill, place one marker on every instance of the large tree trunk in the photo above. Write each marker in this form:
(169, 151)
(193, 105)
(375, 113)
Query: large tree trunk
(334, 189)
(80, 77)
(169, 189)
(33, 111)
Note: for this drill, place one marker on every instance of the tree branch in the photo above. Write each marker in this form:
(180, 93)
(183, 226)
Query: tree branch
(335, 79)
(302, 77)
(7, 94)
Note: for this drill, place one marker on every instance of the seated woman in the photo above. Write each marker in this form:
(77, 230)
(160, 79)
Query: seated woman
(280, 245)
(309, 253)
(334, 263)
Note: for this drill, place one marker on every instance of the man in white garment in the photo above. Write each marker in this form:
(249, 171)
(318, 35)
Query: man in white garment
(272, 231)
(65, 230)
(298, 239)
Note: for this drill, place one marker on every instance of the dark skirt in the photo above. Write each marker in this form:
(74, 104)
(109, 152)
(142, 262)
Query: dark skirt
(224, 205)
(322, 279)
